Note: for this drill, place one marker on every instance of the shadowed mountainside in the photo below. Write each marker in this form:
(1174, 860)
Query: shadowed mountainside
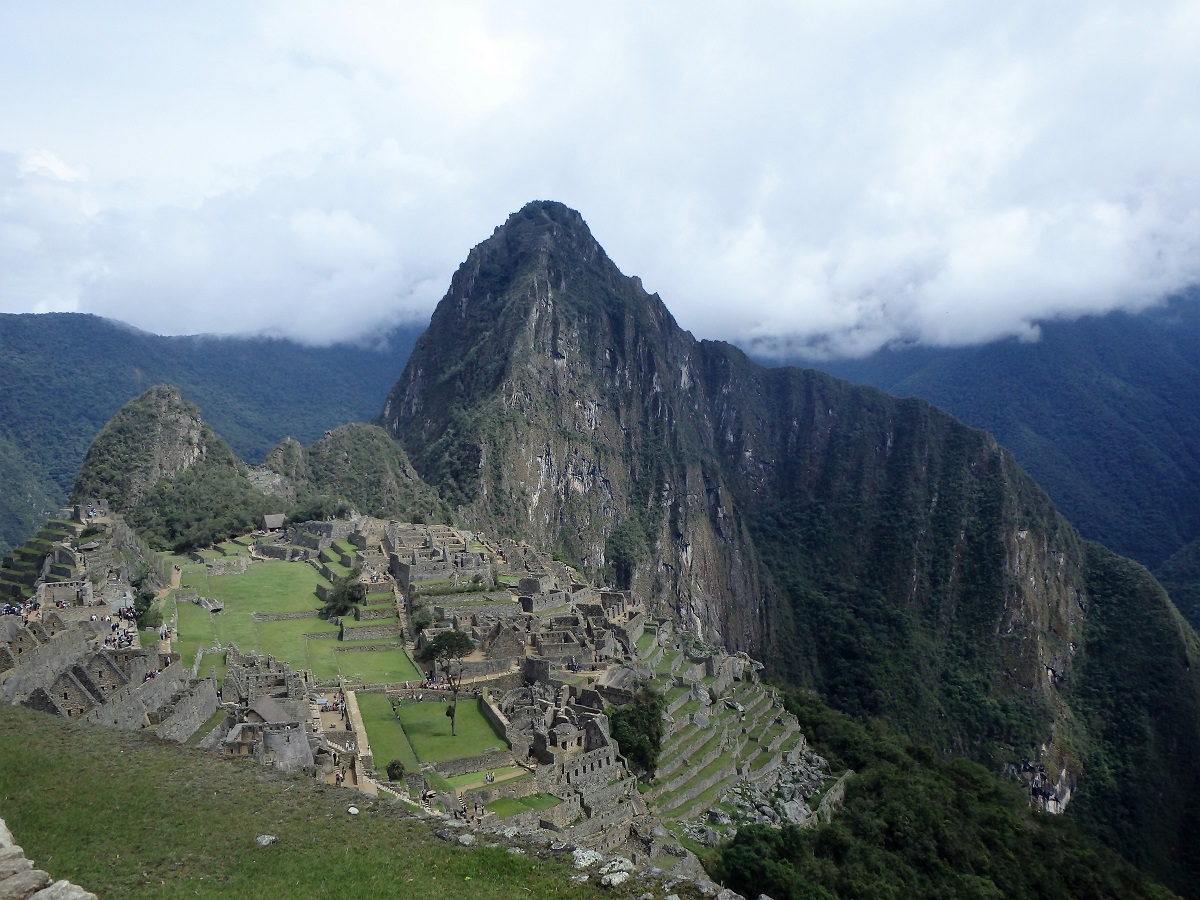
(872, 548)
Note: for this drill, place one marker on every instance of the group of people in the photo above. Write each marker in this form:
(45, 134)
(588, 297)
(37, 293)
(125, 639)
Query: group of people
(473, 814)
(118, 638)
(19, 609)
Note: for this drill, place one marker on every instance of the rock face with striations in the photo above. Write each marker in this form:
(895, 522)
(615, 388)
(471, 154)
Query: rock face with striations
(156, 436)
(873, 548)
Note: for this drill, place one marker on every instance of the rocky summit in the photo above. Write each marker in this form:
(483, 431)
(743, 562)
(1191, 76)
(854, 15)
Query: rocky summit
(873, 548)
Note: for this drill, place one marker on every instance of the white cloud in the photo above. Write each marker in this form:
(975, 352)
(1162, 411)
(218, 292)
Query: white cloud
(829, 176)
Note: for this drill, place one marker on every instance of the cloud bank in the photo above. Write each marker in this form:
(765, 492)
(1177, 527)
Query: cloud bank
(804, 177)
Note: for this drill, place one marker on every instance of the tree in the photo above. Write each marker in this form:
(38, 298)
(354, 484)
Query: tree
(347, 593)
(624, 548)
(395, 770)
(444, 650)
(637, 728)
(144, 610)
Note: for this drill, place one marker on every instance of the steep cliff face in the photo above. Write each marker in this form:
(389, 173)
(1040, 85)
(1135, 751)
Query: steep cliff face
(549, 398)
(870, 547)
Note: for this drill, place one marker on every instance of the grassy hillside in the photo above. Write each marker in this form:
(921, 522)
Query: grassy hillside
(127, 816)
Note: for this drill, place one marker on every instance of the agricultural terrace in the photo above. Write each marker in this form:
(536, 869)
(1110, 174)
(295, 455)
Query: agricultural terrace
(274, 587)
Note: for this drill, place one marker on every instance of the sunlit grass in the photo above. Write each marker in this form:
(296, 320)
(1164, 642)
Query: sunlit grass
(126, 816)
(428, 729)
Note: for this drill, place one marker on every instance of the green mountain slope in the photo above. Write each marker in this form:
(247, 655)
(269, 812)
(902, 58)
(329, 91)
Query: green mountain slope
(66, 375)
(1104, 412)
(1180, 575)
(872, 548)
(181, 486)
(174, 479)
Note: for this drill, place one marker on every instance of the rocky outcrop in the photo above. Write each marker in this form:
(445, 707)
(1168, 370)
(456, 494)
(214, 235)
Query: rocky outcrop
(156, 436)
(19, 880)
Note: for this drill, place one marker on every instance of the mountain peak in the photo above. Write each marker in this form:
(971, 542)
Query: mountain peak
(539, 301)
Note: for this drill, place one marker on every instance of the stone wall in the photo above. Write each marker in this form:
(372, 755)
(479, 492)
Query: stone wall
(285, 552)
(19, 879)
(372, 633)
(191, 711)
(496, 759)
(486, 667)
(39, 665)
(539, 603)
(131, 708)
(279, 617)
(213, 739)
(521, 786)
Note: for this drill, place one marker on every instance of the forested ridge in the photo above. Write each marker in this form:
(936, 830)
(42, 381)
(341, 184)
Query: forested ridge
(67, 374)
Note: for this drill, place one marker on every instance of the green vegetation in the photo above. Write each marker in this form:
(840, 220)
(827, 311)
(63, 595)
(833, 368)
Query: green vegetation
(66, 375)
(1180, 575)
(638, 728)
(447, 651)
(187, 824)
(281, 587)
(917, 825)
(1142, 715)
(348, 592)
(624, 549)
(384, 732)
(380, 480)
(505, 807)
(425, 726)
(363, 666)
(457, 782)
(1101, 411)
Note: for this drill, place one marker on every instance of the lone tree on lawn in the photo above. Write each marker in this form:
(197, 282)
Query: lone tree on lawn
(444, 650)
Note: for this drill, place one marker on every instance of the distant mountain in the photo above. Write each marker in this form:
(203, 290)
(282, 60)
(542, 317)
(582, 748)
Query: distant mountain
(65, 375)
(176, 481)
(1103, 411)
(872, 548)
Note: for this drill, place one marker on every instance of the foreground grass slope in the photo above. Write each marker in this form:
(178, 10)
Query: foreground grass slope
(126, 816)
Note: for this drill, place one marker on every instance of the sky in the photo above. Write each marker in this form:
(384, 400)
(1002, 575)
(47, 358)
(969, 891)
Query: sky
(797, 177)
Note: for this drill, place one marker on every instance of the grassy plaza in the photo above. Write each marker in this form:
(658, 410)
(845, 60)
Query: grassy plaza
(428, 730)
(274, 587)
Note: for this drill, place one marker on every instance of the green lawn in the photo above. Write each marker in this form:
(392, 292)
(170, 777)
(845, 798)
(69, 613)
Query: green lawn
(277, 587)
(461, 781)
(266, 587)
(508, 806)
(374, 666)
(428, 729)
(384, 733)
